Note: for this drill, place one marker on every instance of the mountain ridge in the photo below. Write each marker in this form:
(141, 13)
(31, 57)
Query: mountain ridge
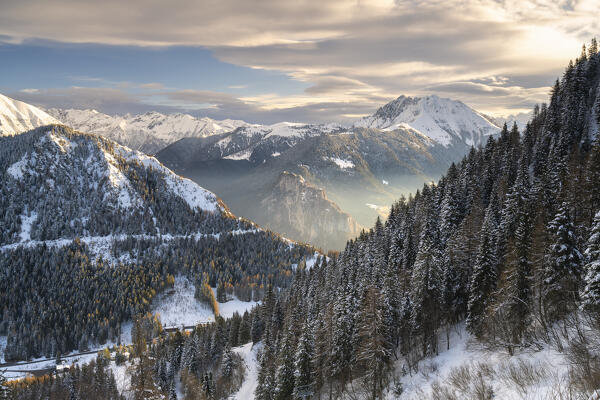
(148, 132)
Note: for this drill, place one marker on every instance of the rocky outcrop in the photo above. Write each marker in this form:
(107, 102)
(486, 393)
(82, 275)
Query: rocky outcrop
(302, 211)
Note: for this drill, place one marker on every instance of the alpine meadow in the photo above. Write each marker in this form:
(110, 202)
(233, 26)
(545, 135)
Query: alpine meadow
(299, 200)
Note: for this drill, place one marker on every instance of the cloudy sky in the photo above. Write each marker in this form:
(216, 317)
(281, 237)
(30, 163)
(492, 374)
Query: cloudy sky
(272, 60)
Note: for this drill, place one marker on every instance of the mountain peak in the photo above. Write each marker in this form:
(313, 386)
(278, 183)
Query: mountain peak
(18, 117)
(444, 120)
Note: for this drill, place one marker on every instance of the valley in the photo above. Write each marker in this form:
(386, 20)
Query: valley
(299, 200)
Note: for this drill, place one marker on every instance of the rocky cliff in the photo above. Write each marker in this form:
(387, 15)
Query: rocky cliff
(302, 211)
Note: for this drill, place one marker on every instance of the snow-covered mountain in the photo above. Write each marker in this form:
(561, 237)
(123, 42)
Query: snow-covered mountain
(443, 120)
(57, 166)
(17, 117)
(149, 132)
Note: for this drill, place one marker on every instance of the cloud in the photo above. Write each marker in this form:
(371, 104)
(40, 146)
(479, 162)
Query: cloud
(107, 100)
(498, 56)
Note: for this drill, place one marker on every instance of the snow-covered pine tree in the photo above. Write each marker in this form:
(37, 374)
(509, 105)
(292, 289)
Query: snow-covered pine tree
(426, 290)
(303, 372)
(563, 271)
(590, 297)
(284, 374)
(265, 388)
(483, 280)
(373, 351)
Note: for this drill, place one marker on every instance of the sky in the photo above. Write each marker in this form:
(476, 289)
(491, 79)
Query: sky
(266, 61)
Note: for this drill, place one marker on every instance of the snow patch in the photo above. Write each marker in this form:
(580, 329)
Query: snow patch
(63, 144)
(119, 181)
(343, 164)
(179, 307)
(17, 170)
(240, 155)
(227, 309)
(122, 378)
(312, 261)
(26, 223)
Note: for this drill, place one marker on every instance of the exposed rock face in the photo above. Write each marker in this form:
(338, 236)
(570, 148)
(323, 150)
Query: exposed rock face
(302, 211)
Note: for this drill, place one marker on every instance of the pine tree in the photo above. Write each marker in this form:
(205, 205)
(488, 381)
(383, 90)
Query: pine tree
(562, 274)
(426, 291)
(303, 372)
(591, 293)
(244, 330)
(284, 375)
(373, 352)
(592, 177)
(265, 388)
(483, 281)
(256, 328)
(228, 363)
(323, 339)
(514, 289)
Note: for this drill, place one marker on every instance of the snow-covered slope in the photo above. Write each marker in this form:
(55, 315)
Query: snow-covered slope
(87, 181)
(248, 352)
(17, 117)
(470, 370)
(149, 132)
(444, 120)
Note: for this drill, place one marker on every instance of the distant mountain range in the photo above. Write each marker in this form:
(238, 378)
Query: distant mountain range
(149, 132)
(357, 167)
(360, 167)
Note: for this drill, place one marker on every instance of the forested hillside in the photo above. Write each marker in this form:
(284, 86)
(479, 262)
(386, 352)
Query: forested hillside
(507, 240)
(91, 231)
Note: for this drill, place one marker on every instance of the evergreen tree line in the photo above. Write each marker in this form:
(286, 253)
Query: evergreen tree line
(508, 241)
(93, 381)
